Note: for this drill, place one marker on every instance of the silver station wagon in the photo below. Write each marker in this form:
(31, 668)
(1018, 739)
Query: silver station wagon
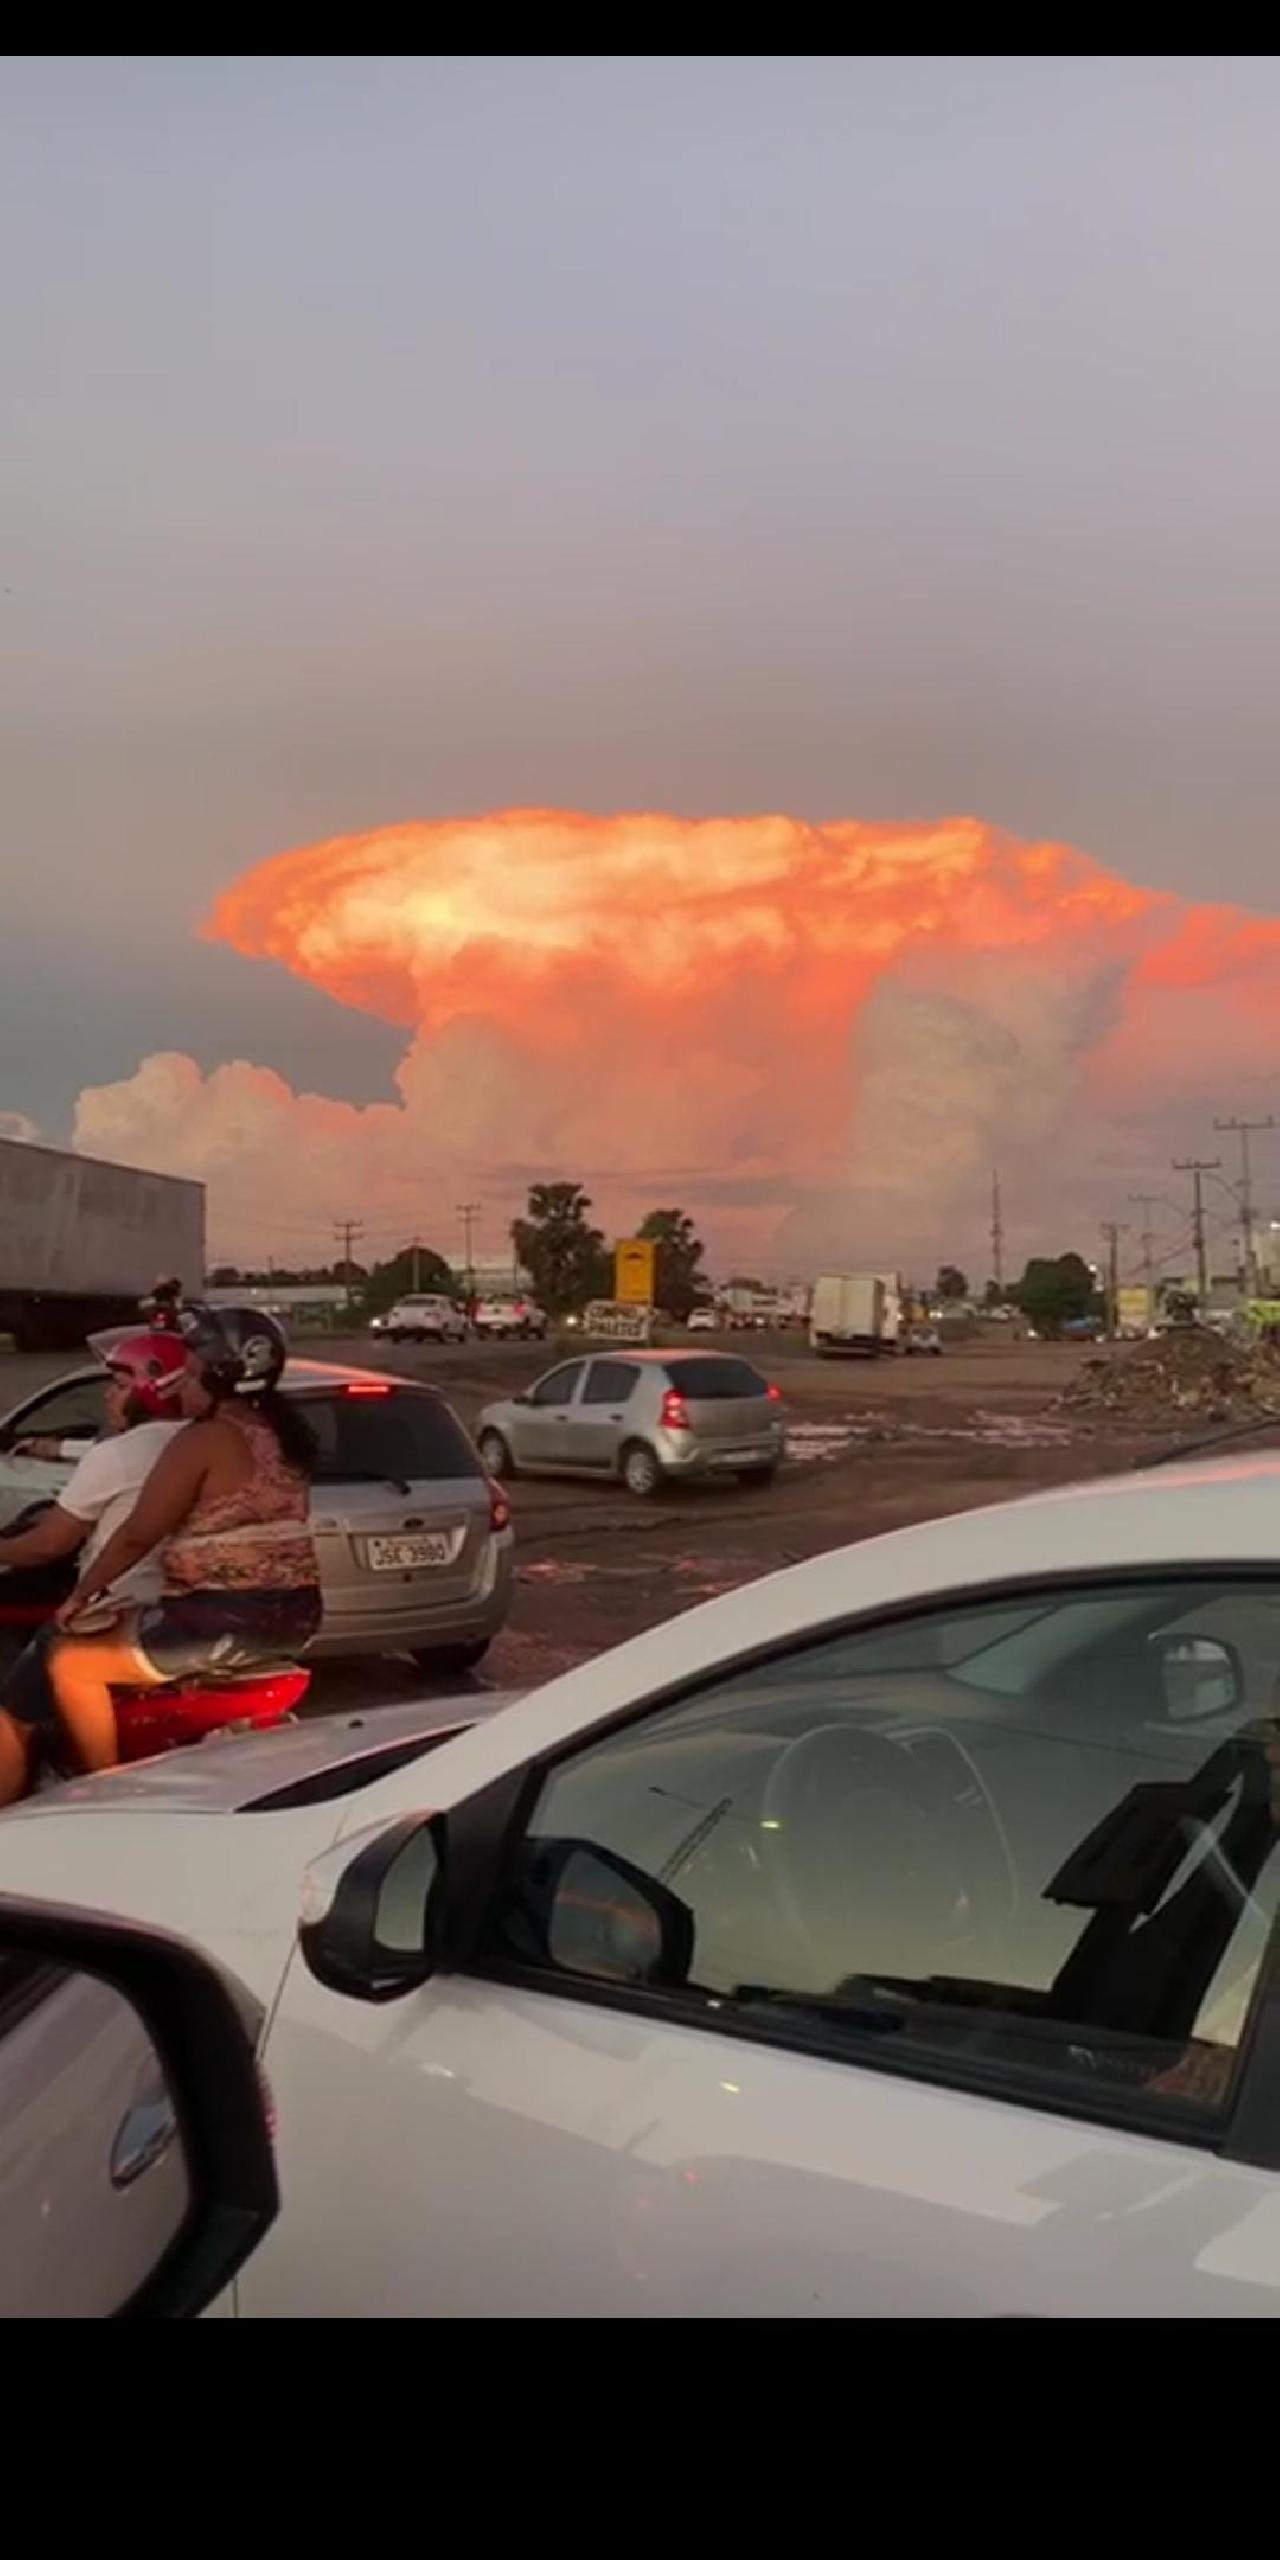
(648, 1417)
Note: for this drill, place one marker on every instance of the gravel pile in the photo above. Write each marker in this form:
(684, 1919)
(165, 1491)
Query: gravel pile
(1189, 1375)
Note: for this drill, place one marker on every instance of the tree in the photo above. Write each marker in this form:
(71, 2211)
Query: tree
(951, 1282)
(562, 1252)
(414, 1267)
(1055, 1292)
(679, 1283)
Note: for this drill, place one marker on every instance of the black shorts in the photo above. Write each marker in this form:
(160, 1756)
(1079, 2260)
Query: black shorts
(190, 1631)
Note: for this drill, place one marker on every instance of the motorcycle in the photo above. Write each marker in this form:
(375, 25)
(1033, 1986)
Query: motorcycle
(168, 1718)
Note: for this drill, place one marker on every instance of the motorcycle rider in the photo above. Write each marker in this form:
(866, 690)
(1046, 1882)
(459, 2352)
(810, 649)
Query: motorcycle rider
(227, 1504)
(143, 1401)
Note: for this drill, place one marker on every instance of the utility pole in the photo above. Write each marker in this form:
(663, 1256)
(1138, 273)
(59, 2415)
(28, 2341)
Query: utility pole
(1111, 1237)
(997, 1235)
(416, 1251)
(469, 1211)
(1244, 1130)
(1197, 1167)
(346, 1230)
(1147, 1201)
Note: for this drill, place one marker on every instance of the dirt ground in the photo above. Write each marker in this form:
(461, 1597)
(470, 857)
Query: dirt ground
(874, 1446)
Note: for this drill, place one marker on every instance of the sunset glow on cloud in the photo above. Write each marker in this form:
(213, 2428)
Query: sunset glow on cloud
(816, 1038)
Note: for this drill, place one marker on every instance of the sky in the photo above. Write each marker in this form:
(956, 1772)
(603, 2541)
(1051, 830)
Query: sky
(866, 442)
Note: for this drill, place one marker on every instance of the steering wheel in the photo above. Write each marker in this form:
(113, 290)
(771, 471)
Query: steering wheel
(865, 1860)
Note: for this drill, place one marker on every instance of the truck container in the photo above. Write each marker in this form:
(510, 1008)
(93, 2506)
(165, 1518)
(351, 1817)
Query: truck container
(81, 1242)
(847, 1313)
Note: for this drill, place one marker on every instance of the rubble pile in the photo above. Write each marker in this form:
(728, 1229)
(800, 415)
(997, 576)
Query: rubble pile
(1187, 1376)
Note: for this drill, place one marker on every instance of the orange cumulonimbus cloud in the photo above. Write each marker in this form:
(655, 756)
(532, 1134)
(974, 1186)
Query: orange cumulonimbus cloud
(837, 1022)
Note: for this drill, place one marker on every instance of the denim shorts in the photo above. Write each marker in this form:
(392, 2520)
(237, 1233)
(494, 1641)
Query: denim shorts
(192, 1631)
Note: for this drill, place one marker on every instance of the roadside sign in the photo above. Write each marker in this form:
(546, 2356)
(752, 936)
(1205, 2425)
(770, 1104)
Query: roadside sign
(1133, 1310)
(634, 1267)
(606, 1321)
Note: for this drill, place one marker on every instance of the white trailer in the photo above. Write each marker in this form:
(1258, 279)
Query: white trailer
(81, 1242)
(847, 1313)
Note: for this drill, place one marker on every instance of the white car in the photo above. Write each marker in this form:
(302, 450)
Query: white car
(421, 1317)
(702, 1320)
(890, 1937)
(509, 1319)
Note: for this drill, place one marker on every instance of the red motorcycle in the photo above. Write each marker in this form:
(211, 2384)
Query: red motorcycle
(166, 1719)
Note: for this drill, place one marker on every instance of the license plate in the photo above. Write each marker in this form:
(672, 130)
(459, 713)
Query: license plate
(408, 1555)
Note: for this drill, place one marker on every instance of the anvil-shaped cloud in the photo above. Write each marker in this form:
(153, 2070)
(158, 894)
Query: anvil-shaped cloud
(816, 1038)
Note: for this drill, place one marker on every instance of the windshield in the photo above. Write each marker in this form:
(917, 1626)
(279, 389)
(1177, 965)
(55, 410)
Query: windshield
(715, 1381)
(401, 1433)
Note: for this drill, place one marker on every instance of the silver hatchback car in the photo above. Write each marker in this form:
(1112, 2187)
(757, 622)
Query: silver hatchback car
(649, 1417)
(415, 1543)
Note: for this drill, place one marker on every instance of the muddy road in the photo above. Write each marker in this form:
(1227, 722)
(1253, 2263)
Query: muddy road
(874, 1446)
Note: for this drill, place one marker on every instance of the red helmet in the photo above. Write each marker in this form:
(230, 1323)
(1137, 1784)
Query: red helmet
(154, 1365)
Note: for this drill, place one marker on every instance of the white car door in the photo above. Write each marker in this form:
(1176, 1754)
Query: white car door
(913, 1972)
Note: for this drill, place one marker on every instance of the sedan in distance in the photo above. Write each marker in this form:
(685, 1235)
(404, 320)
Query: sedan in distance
(415, 1542)
(421, 1318)
(649, 1418)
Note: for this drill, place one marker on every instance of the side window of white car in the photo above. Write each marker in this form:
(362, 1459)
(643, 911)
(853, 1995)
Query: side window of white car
(1027, 1846)
(74, 1411)
(558, 1386)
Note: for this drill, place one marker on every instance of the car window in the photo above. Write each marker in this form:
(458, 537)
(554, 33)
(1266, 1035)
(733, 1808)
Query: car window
(1064, 1894)
(712, 1381)
(395, 1433)
(609, 1382)
(559, 1385)
(74, 1409)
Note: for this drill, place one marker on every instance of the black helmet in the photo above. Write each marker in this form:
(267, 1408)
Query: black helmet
(242, 1350)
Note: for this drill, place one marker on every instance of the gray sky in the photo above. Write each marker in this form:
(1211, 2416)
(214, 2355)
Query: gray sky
(399, 438)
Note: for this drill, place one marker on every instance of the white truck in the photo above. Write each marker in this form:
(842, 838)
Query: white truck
(848, 1313)
(81, 1242)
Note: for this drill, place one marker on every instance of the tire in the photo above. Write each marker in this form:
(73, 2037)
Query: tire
(450, 1657)
(495, 1457)
(760, 1476)
(641, 1471)
(395, 1334)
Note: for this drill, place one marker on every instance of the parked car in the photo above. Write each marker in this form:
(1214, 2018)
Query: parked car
(421, 1317)
(702, 1320)
(514, 1319)
(649, 1417)
(415, 1542)
(890, 1937)
(924, 1338)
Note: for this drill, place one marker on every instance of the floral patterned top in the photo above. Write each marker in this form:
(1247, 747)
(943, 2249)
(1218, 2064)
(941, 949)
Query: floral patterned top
(254, 1538)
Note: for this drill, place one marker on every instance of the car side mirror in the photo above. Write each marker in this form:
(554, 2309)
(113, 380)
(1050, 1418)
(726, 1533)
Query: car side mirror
(586, 1910)
(1198, 1676)
(368, 1909)
(139, 2171)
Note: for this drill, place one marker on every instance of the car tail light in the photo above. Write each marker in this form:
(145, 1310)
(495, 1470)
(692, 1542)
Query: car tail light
(499, 1508)
(675, 1412)
(774, 1394)
(368, 1387)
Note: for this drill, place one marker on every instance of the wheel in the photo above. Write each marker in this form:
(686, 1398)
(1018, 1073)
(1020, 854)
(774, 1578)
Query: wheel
(641, 1473)
(495, 1456)
(394, 1334)
(449, 1657)
(757, 1475)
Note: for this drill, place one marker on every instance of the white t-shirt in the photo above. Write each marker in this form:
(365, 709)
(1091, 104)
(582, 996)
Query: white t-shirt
(104, 1489)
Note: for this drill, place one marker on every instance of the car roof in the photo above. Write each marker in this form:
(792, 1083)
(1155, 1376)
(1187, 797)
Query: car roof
(654, 1359)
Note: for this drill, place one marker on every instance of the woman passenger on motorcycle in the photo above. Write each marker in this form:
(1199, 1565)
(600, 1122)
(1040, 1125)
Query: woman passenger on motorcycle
(227, 1503)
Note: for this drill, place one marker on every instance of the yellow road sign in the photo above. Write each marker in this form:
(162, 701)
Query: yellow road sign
(634, 1266)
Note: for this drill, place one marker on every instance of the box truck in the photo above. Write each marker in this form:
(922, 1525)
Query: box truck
(847, 1313)
(81, 1242)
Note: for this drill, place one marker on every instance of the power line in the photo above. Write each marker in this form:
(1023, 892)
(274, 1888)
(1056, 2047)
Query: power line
(469, 1211)
(1244, 1130)
(346, 1230)
(1111, 1236)
(1197, 1167)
